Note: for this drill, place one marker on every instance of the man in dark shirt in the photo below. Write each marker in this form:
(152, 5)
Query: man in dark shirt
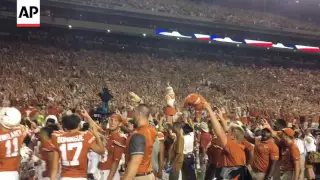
(140, 146)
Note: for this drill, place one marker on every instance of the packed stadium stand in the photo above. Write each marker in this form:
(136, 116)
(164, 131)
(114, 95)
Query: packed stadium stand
(73, 66)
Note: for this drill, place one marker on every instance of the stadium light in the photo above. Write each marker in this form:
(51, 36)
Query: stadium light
(144, 34)
(69, 26)
(108, 30)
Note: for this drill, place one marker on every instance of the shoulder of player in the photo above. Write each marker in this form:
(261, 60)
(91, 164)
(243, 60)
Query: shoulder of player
(57, 133)
(87, 135)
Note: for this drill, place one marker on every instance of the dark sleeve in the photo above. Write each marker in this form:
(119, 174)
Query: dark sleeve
(137, 144)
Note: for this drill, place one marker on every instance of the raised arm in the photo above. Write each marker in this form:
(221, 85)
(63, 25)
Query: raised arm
(274, 133)
(88, 118)
(222, 120)
(97, 146)
(216, 125)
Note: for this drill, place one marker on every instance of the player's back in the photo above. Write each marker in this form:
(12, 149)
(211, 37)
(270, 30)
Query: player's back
(73, 148)
(10, 144)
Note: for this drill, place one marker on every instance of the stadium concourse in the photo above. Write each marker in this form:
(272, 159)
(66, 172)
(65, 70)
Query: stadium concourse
(78, 103)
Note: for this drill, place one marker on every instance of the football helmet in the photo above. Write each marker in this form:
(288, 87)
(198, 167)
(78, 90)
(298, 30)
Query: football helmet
(10, 117)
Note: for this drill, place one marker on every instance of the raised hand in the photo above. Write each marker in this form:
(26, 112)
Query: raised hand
(266, 124)
(207, 106)
(84, 112)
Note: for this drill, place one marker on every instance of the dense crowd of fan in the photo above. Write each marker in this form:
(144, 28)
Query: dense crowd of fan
(209, 11)
(34, 74)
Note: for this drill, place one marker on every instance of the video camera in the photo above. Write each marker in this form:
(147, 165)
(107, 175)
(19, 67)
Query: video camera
(105, 95)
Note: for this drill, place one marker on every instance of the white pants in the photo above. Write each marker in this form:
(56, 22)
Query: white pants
(105, 173)
(93, 162)
(9, 175)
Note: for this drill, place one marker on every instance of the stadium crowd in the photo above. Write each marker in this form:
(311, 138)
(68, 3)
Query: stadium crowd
(72, 76)
(209, 11)
(170, 118)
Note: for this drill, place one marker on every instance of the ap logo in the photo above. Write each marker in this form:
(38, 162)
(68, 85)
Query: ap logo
(28, 13)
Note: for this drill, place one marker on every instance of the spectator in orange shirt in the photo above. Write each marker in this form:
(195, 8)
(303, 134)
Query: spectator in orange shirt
(233, 159)
(266, 155)
(214, 153)
(290, 157)
(140, 146)
(278, 126)
(205, 140)
(249, 150)
(115, 147)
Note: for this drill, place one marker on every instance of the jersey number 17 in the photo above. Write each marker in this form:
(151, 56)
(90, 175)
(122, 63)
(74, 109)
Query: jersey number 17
(65, 148)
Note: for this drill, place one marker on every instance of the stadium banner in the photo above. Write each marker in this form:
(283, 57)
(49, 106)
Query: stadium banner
(249, 42)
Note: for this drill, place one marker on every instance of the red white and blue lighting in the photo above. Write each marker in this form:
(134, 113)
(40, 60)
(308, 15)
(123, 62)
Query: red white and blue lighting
(249, 42)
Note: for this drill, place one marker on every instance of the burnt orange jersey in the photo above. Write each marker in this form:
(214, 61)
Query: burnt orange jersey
(46, 148)
(10, 144)
(73, 149)
(116, 144)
